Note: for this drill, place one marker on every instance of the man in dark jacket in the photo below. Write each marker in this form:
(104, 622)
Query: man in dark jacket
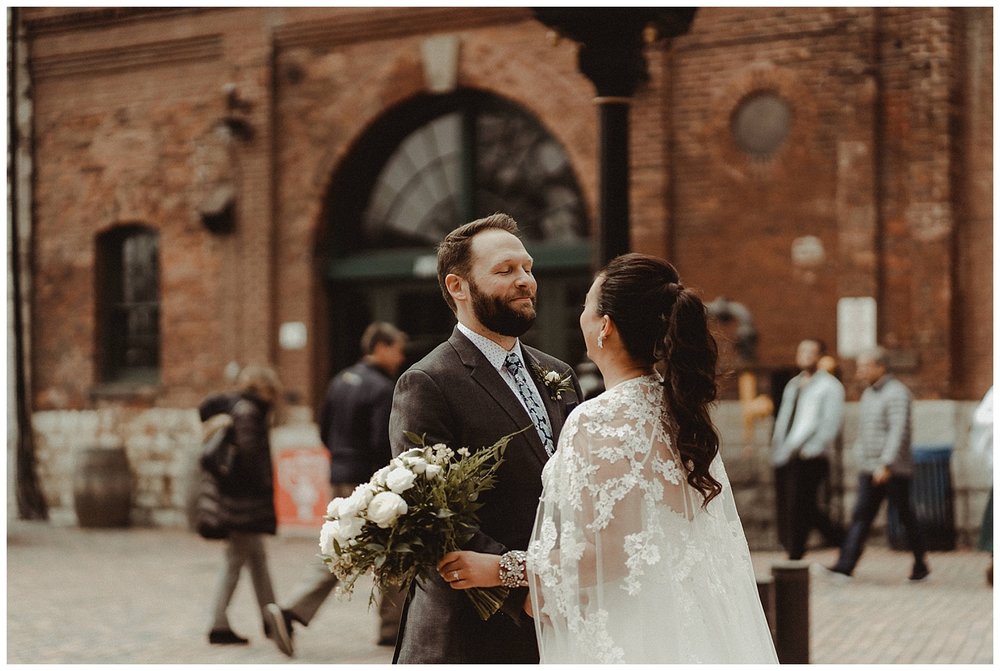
(479, 385)
(353, 421)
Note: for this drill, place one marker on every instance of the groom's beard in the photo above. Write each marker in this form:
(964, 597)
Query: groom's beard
(496, 314)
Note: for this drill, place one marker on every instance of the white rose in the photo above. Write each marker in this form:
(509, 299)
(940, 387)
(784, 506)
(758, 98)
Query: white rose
(400, 479)
(379, 476)
(347, 529)
(333, 508)
(350, 507)
(553, 377)
(386, 508)
(432, 471)
(412, 452)
(417, 464)
(357, 501)
(326, 538)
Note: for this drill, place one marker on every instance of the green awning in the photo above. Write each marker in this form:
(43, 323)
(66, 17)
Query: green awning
(421, 263)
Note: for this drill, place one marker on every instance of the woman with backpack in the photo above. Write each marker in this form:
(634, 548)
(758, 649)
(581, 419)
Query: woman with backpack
(246, 498)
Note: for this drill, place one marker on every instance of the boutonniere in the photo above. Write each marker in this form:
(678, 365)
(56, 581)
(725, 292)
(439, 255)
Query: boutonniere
(556, 383)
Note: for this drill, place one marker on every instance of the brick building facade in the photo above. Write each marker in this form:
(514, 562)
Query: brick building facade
(864, 170)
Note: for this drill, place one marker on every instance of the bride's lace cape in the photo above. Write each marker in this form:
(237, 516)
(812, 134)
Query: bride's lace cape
(624, 563)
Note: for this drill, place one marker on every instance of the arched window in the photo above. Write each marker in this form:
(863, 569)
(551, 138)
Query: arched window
(480, 155)
(425, 167)
(128, 305)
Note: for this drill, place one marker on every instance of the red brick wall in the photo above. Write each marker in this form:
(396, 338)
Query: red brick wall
(734, 218)
(888, 163)
(870, 168)
(917, 50)
(115, 146)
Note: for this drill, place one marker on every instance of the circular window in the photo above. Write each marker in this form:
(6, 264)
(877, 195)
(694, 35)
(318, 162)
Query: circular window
(761, 123)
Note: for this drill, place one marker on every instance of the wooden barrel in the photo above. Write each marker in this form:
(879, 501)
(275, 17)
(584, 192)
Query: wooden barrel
(102, 487)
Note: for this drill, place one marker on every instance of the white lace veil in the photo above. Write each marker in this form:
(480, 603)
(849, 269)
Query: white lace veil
(624, 564)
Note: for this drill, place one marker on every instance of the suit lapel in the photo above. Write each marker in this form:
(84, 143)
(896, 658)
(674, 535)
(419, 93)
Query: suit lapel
(487, 377)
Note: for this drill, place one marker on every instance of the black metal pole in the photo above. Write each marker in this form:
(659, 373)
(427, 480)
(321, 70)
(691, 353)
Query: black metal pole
(613, 236)
(612, 40)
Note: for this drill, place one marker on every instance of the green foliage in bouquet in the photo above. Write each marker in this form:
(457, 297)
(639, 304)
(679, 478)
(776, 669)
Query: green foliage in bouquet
(419, 507)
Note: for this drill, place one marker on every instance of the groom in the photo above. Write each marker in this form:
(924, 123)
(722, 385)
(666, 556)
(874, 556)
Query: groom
(480, 385)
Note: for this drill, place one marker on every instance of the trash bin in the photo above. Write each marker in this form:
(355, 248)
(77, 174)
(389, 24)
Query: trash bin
(933, 500)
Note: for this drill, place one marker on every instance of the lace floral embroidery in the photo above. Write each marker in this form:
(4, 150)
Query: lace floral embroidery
(619, 524)
(595, 641)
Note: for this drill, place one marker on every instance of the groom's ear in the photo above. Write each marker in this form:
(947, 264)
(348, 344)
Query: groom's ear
(456, 286)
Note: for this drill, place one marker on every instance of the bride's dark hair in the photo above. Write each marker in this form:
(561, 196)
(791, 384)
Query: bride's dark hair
(662, 323)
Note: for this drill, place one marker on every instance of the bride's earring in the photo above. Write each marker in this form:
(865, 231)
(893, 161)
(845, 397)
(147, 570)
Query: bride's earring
(600, 341)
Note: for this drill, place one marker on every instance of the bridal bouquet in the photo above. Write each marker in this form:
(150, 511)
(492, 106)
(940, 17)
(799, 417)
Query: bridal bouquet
(400, 523)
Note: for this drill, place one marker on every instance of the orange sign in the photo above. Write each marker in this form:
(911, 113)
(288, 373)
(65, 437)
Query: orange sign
(302, 486)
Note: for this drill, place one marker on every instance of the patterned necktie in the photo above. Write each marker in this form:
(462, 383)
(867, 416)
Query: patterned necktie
(513, 365)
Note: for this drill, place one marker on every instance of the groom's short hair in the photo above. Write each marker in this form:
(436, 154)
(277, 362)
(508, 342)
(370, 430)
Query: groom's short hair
(454, 254)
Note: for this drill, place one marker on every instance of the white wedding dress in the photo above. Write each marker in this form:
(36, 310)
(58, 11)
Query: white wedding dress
(624, 564)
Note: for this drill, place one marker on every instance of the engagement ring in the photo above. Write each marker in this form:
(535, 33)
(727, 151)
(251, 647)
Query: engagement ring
(454, 575)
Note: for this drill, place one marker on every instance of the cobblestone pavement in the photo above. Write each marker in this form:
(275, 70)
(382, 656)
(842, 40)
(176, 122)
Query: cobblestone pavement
(144, 596)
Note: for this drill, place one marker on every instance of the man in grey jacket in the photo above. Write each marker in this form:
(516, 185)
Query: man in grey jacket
(805, 432)
(885, 462)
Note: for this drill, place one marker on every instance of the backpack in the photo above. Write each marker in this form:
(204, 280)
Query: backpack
(218, 454)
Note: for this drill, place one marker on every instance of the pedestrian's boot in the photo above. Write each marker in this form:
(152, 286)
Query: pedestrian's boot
(278, 628)
(226, 637)
(920, 572)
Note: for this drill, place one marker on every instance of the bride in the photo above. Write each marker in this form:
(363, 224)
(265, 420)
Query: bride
(638, 555)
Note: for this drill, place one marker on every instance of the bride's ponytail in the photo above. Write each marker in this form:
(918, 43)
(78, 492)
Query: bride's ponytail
(690, 355)
(663, 324)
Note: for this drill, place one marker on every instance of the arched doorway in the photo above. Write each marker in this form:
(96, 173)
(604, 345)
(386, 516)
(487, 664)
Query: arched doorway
(423, 169)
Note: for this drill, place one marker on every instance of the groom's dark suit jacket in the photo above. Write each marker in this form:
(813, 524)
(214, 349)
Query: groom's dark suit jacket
(454, 396)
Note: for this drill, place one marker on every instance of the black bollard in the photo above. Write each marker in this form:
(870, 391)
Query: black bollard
(791, 611)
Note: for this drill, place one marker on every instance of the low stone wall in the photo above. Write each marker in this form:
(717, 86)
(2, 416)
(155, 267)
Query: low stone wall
(162, 446)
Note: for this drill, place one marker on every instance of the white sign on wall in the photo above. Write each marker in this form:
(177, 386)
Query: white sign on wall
(857, 328)
(292, 335)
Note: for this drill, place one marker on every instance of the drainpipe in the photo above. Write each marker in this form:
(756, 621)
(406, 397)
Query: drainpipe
(29, 500)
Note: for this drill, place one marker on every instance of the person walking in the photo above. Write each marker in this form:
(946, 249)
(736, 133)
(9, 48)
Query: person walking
(353, 423)
(247, 499)
(806, 430)
(883, 451)
(480, 385)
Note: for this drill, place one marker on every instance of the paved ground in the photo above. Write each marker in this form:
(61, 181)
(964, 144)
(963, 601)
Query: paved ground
(143, 596)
